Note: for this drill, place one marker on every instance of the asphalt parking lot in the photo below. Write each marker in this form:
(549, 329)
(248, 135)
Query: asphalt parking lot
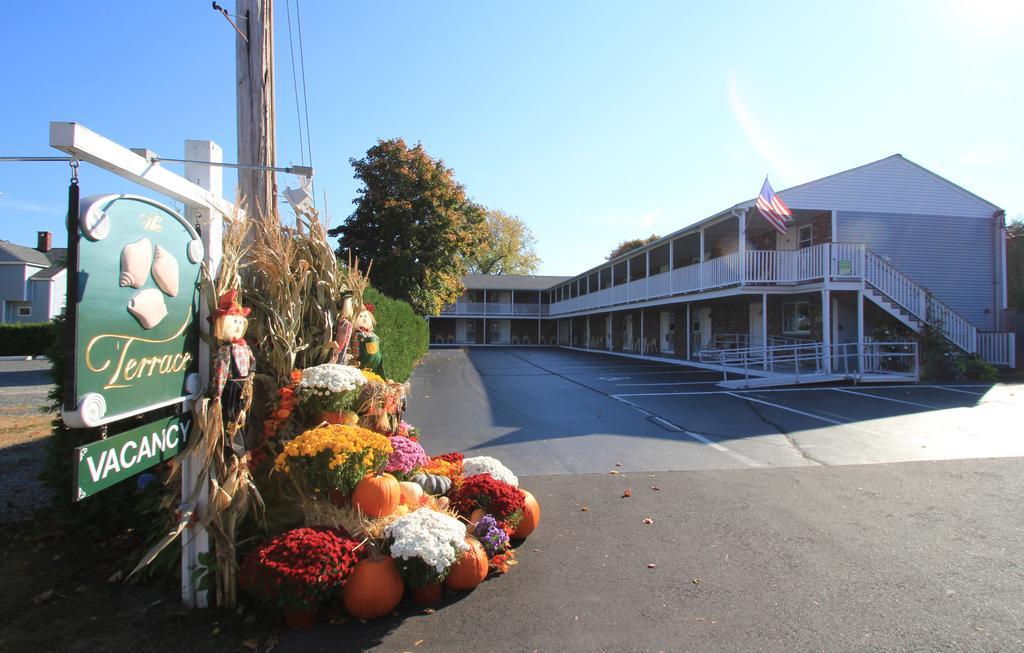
(552, 411)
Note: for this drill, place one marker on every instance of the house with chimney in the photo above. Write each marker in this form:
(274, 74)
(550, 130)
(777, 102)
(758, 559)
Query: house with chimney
(33, 282)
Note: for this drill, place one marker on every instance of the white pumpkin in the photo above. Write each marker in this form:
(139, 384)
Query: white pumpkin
(411, 493)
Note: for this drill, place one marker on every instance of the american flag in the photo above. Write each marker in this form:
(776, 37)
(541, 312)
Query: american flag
(773, 208)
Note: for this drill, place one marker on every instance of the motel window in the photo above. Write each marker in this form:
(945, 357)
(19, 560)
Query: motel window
(796, 318)
(804, 237)
(24, 311)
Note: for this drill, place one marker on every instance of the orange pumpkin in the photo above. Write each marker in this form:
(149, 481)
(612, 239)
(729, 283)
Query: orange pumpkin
(476, 516)
(470, 569)
(411, 493)
(374, 588)
(377, 496)
(531, 517)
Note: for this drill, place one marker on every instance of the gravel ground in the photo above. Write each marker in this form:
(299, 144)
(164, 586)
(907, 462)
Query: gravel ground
(24, 428)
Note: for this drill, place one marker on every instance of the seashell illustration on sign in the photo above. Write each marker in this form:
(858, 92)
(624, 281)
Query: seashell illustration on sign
(136, 259)
(148, 307)
(165, 271)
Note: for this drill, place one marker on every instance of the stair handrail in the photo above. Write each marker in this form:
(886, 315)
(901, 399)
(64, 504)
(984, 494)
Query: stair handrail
(919, 302)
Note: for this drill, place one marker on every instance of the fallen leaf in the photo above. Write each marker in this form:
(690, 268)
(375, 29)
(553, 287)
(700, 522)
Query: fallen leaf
(116, 576)
(655, 488)
(39, 599)
(429, 611)
(618, 464)
(584, 509)
(614, 472)
(696, 581)
(628, 493)
(251, 643)
(418, 642)
(648, 520)
(651, 565)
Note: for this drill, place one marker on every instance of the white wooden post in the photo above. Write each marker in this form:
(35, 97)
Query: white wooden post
(860, 332)
(210, 224)
(689, 330)
(647, 274)
(826, 327)
(700, 264)
(671, 266)
(643, 340)
(742, 247)
(764, 322)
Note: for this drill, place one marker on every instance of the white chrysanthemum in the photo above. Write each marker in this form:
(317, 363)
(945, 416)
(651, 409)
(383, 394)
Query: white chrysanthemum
(331, 378)
(433, 537)
(488, 465)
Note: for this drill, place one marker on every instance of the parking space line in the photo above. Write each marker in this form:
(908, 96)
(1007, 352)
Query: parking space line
(690, 434)
(892, 399)
(787, 408)
(952, 389)
(624, 385)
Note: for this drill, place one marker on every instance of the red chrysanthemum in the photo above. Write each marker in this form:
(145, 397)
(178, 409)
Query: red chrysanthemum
(299, 568)
(499, 499)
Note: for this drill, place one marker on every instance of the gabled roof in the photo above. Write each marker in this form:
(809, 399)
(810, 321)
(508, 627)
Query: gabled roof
(894, 184)
(27, 254)
(510, 281)
(48, 273)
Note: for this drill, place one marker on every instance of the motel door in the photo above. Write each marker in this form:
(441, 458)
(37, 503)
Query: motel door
(756, 324)
(844, 332)
(608, 332)
(668, 332)
(700, 329)
(460, 330)
(627, 332)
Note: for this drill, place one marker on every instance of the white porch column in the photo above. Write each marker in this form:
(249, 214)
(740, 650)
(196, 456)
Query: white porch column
(647, 274)
(742, 248)
(196, 541)
(484, 311)
(689, 330)
(826, 328)
(513, 302)
(671, 263)
(643, 340)
(700, 268)
(764, 320)
(860, 332)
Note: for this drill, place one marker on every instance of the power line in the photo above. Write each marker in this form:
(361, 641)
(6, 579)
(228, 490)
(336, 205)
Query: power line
(295, 81)
(305, 95)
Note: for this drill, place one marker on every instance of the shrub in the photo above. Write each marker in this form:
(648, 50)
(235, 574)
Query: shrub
(403, 335)
(979, 369)
(25, 339)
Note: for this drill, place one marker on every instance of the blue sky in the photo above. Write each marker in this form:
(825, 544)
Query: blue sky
(593, 121)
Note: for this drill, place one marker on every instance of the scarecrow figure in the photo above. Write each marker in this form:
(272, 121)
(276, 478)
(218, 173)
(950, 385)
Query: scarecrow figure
(369, 344)
(233, 368)
(343, 337)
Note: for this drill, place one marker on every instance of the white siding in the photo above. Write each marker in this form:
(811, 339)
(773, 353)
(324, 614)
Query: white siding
(892, 185)
(951, 257)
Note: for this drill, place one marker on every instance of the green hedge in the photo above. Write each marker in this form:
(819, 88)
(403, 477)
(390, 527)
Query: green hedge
(404, 336)
(25, 339)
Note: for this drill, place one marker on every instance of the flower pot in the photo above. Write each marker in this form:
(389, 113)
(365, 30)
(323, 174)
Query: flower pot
(338, 498)
(299, 619)
(332, 417)
(427, 595)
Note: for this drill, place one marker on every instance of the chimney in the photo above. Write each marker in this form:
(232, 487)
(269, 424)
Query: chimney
(44, 241)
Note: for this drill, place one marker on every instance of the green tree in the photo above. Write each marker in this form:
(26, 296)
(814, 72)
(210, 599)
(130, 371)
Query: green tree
(509, 247)
(629, 245)
(414, 221)
(1015, 263)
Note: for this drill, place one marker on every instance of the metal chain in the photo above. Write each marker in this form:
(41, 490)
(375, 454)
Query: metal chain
(74, 170)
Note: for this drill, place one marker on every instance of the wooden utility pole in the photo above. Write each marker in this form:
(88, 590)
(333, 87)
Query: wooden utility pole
(254, 71)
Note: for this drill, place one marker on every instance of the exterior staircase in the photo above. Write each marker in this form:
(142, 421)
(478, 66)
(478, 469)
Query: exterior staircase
(899, 296)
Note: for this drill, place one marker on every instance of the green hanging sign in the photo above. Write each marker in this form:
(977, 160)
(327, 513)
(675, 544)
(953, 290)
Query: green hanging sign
(132, 309)
(104, 463)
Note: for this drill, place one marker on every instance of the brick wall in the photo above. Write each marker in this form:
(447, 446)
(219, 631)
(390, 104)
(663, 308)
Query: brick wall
(821, 230)
(733, 317)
